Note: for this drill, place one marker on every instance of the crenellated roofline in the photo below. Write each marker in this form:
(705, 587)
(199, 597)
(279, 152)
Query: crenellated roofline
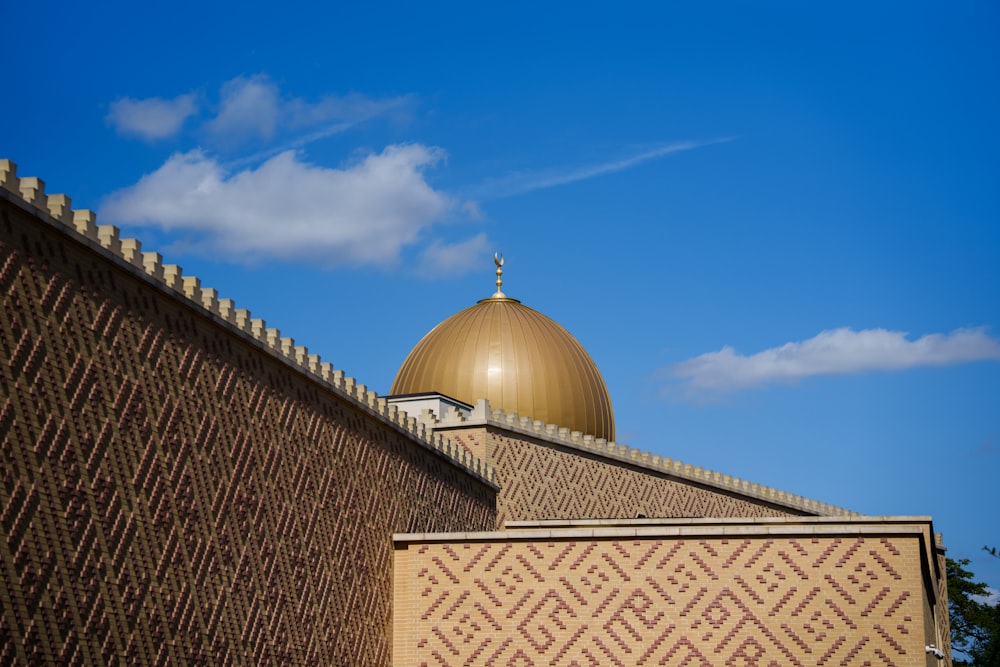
(482, 415)
(29, 194)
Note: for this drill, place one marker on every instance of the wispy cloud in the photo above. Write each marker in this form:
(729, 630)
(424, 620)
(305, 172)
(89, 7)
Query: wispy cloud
(520, 182)
(269, 203)
(250, 111)
(298, 142)
(249, 107)
(443, 259)
(253, 108)
(834, 352)
(152, 118)
(363, 214)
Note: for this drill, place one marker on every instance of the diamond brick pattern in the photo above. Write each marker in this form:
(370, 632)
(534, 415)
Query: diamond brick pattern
(828, 601)
(541, 481)
(172, 494)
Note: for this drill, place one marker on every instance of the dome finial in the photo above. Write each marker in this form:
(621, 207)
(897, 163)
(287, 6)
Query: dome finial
(498, 260)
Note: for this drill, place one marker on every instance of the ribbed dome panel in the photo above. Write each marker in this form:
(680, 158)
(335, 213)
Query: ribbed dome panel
(518, 359)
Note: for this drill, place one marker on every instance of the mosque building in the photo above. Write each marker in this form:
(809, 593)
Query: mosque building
(183, 484)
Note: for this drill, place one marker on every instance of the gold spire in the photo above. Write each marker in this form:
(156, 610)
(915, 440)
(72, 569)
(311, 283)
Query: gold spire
(498, 260)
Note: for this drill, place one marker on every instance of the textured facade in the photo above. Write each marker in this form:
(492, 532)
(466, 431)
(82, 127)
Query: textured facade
(541, 480)
(175, 493)
(783, 592)
(181, 484)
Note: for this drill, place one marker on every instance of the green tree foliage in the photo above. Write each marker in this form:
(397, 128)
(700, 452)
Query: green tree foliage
(975, 625)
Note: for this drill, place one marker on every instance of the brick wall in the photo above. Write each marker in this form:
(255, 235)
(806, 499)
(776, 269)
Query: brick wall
(699, 595)
(171, 493)
(541, 480)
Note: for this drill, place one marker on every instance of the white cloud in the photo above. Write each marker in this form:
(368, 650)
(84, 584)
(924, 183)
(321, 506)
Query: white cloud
(440, 259)
(992, 597)
(151, 118)
(248, 107)
(352, 108)
(359, 215)
(834, 352)
(254, 108)
(521, 182)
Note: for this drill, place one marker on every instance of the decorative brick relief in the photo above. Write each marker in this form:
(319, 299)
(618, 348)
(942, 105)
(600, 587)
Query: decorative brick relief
(172, 494)
(544, 482)
(706, 602)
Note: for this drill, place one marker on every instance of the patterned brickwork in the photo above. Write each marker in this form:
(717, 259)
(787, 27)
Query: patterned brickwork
(708, 601)
(471, 440)
(464, 424)
(942, 637)
(172, 494)
(541, 481)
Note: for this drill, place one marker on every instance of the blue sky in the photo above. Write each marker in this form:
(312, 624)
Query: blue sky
(774, 226)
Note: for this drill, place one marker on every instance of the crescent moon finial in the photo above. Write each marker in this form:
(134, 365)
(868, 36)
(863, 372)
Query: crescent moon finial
(498, 260)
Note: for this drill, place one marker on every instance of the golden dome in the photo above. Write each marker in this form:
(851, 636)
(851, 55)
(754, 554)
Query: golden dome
(515, 357)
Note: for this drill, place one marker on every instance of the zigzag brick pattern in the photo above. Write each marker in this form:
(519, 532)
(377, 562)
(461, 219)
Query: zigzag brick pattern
(696, 602)
(539, 481)
(171, 494)
(941, 618)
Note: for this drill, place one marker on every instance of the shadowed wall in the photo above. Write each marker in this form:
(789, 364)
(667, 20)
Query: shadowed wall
(173, 493)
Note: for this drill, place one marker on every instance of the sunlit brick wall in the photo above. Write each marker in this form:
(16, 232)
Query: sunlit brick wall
(540, 480)
(696, 595)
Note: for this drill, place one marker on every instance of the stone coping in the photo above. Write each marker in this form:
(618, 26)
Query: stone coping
(677, 528)
(913, 527)
(647, 521)
(483, 415)
(28, 193)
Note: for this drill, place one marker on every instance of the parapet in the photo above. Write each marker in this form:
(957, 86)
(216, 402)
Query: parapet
(483, 415)
(55, 210)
